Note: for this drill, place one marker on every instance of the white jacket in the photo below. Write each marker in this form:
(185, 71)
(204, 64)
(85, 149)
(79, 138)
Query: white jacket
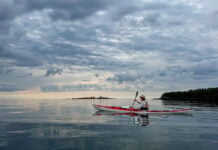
(142, 104)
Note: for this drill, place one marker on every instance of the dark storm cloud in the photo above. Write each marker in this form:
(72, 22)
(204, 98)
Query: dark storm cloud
(65, 9)
(20, 59)
(201, 69)
(4, 70)
(127, 77)
(6, 10)
(65, 4)
(4, 27)
(205, 67)
(153, 19)
(80, 9)
(76, 56)
(53, 71)
(135, 41)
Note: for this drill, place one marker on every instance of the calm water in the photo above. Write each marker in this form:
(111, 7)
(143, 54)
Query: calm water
(72, 124)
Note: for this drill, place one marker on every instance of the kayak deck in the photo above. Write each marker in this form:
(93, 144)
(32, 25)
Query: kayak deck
(115, 108)
(138, 111)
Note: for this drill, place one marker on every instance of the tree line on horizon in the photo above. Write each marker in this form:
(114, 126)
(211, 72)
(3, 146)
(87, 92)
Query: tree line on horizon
(205, 94)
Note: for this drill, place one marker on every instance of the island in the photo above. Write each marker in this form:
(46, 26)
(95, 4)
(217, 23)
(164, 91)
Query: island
(93, 97)
(200, 95)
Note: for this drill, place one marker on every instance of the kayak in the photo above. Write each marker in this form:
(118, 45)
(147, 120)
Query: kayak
(129, 109)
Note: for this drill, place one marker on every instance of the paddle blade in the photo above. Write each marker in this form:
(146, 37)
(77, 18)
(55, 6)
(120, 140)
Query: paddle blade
(136, 94)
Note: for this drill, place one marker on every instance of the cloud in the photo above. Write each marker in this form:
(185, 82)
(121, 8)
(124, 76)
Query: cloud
(20, 59)
(112, 45)
(6, 10)
(9, 87)
(65, 9)
(53, 71)
(5, 70)
(4, 27)
(77, 87)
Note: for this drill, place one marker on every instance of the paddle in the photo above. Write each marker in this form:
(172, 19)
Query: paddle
(136, 94)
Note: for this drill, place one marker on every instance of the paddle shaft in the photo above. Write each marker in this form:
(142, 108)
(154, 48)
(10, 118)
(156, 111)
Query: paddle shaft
(136, 94)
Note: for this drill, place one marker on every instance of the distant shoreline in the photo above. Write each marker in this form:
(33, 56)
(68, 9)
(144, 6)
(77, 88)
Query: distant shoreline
(199, 95)
(93, 97)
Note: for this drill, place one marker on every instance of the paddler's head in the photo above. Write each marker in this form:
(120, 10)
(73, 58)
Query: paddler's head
(142, 97)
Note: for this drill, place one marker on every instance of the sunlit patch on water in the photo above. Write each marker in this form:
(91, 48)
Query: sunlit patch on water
(17, 131)
(16, 112)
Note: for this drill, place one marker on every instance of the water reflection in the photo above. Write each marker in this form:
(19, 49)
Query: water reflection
(139, 120)
(189, 103)
(195, 105)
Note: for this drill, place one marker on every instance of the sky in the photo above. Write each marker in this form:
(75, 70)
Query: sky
(66, 46)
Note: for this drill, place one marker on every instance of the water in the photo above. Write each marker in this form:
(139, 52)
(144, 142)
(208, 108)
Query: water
(72, 124)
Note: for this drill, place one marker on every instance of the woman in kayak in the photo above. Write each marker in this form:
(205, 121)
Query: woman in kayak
(143, 103)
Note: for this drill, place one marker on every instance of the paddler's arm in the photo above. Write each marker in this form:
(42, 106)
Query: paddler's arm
(137, 101)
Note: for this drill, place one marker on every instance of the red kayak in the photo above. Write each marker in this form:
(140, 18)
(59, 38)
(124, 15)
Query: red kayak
(129, 109)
